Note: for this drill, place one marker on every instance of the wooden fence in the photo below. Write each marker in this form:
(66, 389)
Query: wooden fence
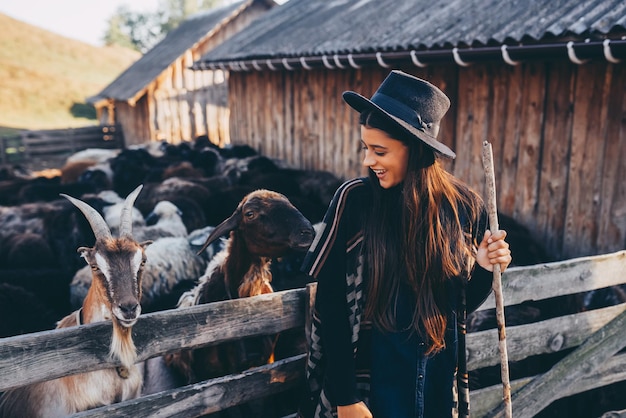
(40, 150)
(594, 338)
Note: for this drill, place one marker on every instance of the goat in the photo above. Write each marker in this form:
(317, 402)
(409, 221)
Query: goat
(264, 225)
(172, 267)
(116, 265)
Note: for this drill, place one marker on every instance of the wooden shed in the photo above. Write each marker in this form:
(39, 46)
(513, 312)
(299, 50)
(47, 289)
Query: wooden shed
(160, 98)
(543, 81)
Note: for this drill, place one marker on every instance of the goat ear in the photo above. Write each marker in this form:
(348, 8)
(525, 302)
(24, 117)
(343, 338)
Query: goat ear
(224, 228)
(83, 251)
(144, 244)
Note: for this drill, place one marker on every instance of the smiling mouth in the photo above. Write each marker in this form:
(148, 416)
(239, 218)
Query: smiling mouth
(379, 172)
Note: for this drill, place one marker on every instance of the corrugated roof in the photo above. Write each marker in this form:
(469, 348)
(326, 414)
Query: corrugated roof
(326, 27)
(139, 75)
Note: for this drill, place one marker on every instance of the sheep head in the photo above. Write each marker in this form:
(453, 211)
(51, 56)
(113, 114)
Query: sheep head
(268, 224)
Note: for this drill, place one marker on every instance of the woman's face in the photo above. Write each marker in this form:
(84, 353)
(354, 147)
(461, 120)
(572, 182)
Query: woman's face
(388, 158)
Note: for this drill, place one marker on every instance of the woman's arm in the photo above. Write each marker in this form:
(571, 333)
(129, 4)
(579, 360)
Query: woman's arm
(327, 262)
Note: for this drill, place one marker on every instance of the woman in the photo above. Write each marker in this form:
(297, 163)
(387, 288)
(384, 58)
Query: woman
(403, 256)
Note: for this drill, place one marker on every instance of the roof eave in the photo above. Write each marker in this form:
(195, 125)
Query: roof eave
(578, 52)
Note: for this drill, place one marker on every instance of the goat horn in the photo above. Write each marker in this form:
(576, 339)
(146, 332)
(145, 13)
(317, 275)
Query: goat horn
(126, 224)
(98, 224)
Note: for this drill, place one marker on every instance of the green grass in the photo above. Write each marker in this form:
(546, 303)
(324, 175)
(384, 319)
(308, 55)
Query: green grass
(46, 78)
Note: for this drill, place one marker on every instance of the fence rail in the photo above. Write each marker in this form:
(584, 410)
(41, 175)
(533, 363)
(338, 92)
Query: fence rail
(595, 362)
(43, 149)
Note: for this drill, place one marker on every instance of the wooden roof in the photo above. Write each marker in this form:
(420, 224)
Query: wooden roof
(191, 31)
(304, 28)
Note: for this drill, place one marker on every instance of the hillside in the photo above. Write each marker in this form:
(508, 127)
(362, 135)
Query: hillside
(45, 78)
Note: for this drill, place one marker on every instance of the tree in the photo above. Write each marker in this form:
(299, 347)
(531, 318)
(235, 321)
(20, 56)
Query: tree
(141, 31)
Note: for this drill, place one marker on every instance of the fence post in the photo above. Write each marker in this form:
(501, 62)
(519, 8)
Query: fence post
(72, 140)
(309, 306)
(27, 153)
(3, 148)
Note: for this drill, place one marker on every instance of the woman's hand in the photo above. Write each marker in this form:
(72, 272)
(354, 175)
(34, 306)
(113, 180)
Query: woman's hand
(493, 249)
(356, 410)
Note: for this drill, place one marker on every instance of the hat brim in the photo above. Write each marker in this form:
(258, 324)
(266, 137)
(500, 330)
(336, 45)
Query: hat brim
(361, 103)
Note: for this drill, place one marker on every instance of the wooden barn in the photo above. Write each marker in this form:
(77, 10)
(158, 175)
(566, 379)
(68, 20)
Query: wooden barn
(160, 98)
(543, 81)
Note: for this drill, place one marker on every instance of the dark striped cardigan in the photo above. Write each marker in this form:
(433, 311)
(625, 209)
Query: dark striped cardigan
(351, 198)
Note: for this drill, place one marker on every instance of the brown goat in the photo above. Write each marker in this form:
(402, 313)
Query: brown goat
(114, 295)
(265, 225)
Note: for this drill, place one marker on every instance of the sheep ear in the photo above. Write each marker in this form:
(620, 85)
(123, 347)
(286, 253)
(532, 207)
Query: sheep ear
(224, 228)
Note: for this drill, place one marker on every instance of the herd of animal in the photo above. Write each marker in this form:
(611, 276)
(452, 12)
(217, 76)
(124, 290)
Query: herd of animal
(172, 226)
(244, 240)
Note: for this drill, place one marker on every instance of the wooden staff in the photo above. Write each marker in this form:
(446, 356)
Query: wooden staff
(497, 278)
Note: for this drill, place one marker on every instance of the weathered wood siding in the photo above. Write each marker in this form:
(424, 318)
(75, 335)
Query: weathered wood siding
(557, 130)
(134, 121)
(182, 104)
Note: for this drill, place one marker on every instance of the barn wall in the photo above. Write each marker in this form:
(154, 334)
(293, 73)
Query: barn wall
(134, 121)
(557, 130)
(182, 104)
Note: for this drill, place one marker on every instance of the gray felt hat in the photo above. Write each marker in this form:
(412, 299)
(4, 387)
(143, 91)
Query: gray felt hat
(412, 103)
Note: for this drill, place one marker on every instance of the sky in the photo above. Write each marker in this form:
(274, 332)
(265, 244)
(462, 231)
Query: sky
(83, 20)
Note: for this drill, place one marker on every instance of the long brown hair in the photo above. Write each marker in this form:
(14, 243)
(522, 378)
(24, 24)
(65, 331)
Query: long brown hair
(418, 234)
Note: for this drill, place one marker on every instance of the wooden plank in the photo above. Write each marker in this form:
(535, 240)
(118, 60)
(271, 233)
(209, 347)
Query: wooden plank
(526, 180)
(481, 114)
(223, 114)
(465, 124)
(66, 136)
(567, 277)
(496, 131)
(267, 113)
(543, 337)
(311, 292)
(3, 148)
(277, 107)
(212, 119)
(289, 88)
(555, 148)
(51, 354)
(327, 113)
(612, 198)
(211, 395)
(65, 142)
(300, 125)
(277, 134)
(612, 371)
(254, 108)
(53, 149)
(509, 154)
(349, 131)
(234, 107)
(591, 355)
(585, 160)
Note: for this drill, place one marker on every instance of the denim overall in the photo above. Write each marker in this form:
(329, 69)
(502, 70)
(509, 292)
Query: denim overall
(404, 382)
